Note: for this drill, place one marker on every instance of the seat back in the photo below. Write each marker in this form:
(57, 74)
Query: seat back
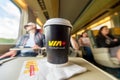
(92, 35)
(116, 31)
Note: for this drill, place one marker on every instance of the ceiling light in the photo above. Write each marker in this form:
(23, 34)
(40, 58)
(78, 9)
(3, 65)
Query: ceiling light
(21, 3)
(39, 21)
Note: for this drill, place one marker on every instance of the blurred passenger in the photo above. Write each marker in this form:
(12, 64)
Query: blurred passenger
(84, 42)
(32, 39)
(105, 39)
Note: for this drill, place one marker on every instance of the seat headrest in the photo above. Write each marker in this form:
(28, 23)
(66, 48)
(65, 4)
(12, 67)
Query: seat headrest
(115, 31)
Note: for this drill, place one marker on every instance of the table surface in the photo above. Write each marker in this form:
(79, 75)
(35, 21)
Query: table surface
(11, 70)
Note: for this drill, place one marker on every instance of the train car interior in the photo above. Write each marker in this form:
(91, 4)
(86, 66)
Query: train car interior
(84, 15)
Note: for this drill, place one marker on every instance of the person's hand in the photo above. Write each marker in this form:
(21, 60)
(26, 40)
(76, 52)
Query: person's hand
(115, 40)
(36, 47)
(10, 53)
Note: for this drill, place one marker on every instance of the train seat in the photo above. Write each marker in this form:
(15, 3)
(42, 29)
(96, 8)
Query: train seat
(74, 53)
(101, 55)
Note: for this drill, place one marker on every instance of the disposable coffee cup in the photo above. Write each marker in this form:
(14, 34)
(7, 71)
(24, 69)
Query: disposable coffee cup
(57, 36)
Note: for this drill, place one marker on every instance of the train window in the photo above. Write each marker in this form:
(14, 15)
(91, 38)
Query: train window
(9, 22)
(108, 23)
(38, 26)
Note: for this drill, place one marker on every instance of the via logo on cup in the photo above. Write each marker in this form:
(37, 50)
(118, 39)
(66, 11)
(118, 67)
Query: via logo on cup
(56, 43)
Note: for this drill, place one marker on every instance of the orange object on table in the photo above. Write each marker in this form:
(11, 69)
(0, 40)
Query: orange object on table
(32, 70)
